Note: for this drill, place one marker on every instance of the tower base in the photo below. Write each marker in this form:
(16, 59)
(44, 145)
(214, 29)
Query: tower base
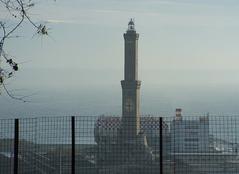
(131, 156)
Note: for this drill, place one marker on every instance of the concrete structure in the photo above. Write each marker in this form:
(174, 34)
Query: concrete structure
(189, 136)
(130, 125)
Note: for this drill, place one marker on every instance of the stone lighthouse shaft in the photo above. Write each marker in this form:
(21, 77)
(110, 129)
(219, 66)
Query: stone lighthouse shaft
(127, 152)
(130, 125)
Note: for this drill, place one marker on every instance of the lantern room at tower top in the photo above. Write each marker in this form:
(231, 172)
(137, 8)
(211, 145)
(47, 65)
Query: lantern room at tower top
(131, 25)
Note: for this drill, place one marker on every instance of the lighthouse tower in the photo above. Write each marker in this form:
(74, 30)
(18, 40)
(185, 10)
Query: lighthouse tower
(130, 124)
(127, 152)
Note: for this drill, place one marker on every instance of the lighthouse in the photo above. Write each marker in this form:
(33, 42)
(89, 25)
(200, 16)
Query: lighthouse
(130, 124)
(122, 141)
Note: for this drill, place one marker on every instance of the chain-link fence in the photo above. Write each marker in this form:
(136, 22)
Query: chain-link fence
(100, 145)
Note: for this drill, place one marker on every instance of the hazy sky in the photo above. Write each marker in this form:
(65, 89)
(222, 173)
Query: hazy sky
(188, 57)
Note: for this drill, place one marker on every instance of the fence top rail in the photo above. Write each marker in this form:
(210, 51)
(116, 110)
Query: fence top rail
(94, 117)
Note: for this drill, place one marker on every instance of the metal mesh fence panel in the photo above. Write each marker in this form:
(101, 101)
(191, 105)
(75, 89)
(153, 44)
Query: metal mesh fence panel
(104, 145)
(54, 144)
(203, 145)
(86, 148)
(6, 146)
(124, 150)
(44, 145)
(27, 147)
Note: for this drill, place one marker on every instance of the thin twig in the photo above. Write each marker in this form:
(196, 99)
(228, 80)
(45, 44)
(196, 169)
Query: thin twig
(12, 96)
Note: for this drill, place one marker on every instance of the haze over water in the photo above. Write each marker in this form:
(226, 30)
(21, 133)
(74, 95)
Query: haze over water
(159, 100)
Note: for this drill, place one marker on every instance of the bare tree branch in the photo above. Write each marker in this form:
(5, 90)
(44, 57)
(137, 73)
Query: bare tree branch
(12, 96)
(18, 9)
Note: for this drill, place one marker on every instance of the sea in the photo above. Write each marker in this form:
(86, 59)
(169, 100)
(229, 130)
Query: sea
(46, 114)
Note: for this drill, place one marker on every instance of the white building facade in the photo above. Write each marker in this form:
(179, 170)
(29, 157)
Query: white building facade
(190, 136)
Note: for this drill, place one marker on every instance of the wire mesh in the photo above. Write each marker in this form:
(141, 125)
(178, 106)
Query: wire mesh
(104, 145)
(6, 146)
(44, 145)
(86, 147)
(203, 145)
(54, 144)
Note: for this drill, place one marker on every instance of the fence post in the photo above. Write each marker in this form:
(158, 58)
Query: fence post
(161, 144)
(72, 145)
(16, 145)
